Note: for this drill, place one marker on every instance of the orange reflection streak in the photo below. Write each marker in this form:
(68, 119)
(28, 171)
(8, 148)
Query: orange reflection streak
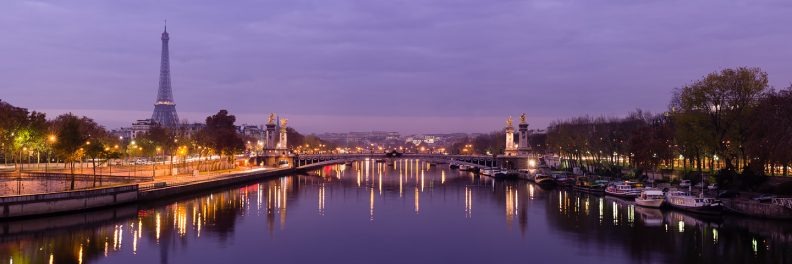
(468, 202)
(417, 201)
(371, 204)
(321, 199)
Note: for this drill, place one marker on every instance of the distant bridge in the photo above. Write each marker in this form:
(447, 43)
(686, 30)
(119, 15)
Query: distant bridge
(307, 162)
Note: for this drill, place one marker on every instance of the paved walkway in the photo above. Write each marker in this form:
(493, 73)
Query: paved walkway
(182, 179)
(26, 185)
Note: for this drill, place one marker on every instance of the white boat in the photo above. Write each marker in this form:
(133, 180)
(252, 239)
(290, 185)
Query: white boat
(650, 198)
(464, 167)
(494, 172)
(525, 174)
(697, 204)
(501, 173)
(622, 190)
(544, 180)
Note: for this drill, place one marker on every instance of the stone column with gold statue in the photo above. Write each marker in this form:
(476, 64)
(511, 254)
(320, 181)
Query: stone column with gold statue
(283, 143)
(270, 134)
(523, 147)
(511, 150)
(276, 150)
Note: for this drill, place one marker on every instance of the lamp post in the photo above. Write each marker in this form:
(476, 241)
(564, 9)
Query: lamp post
(21, 161)
(51, 139)
(154, 163)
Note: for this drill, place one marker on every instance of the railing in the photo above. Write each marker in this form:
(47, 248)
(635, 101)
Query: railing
(785, 202)
(151, 185)
(67, 194)
(81, 177)
(190, 179)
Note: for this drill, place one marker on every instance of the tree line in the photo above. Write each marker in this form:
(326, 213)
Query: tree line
(29, 137)
(727, 124)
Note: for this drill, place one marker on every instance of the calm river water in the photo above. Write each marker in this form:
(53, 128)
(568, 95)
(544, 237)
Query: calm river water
(407, 213)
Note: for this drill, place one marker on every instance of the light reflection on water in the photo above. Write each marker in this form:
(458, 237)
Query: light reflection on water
(364, 207)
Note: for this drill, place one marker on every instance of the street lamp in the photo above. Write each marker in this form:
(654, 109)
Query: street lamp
(51, 139)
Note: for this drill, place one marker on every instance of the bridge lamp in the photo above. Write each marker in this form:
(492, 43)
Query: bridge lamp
(531, 163)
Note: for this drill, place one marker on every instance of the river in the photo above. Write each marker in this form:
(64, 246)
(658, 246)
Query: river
(406, 212)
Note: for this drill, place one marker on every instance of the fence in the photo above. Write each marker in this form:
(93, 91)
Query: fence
(80, 177)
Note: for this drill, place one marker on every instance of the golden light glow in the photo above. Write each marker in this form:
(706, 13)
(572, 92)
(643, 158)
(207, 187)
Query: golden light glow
(157, 227)
(371, 204)
(468, 202)
(417, 201)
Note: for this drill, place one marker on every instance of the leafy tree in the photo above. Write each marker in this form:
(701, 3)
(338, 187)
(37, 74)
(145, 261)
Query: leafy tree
(770, 130)
(221, 135)
(493, 142)
(720, 106)
(74, 134)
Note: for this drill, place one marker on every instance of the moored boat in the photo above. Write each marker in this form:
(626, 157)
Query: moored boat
(470, 168)
(495, 172)
(544, 180)
(525, 174)
(622, 190)
(697, 204)
(500, 173)
(563, 180)
(650, 198)
(584, 184)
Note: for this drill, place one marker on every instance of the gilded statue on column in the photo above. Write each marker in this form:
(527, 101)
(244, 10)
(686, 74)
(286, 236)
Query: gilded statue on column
(271, 119)
(283, 125)
(522, 118)
(509, 122)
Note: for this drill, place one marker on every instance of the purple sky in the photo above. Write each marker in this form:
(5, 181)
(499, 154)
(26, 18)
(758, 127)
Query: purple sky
(414, 66)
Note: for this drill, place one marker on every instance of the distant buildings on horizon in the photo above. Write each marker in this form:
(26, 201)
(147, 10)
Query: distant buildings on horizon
(165, 115)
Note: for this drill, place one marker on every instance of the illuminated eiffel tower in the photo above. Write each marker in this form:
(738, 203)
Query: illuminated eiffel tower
(165, 108)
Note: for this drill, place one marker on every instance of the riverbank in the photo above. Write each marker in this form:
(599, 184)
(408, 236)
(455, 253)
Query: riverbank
(86, 199)
(32, 205)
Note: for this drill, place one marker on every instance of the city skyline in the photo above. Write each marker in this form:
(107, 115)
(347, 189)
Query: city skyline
(392, 75)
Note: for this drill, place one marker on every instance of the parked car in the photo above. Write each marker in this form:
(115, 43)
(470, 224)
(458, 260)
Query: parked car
(712, 187)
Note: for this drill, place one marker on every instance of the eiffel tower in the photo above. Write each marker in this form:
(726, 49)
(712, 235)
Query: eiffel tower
(165, 108)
